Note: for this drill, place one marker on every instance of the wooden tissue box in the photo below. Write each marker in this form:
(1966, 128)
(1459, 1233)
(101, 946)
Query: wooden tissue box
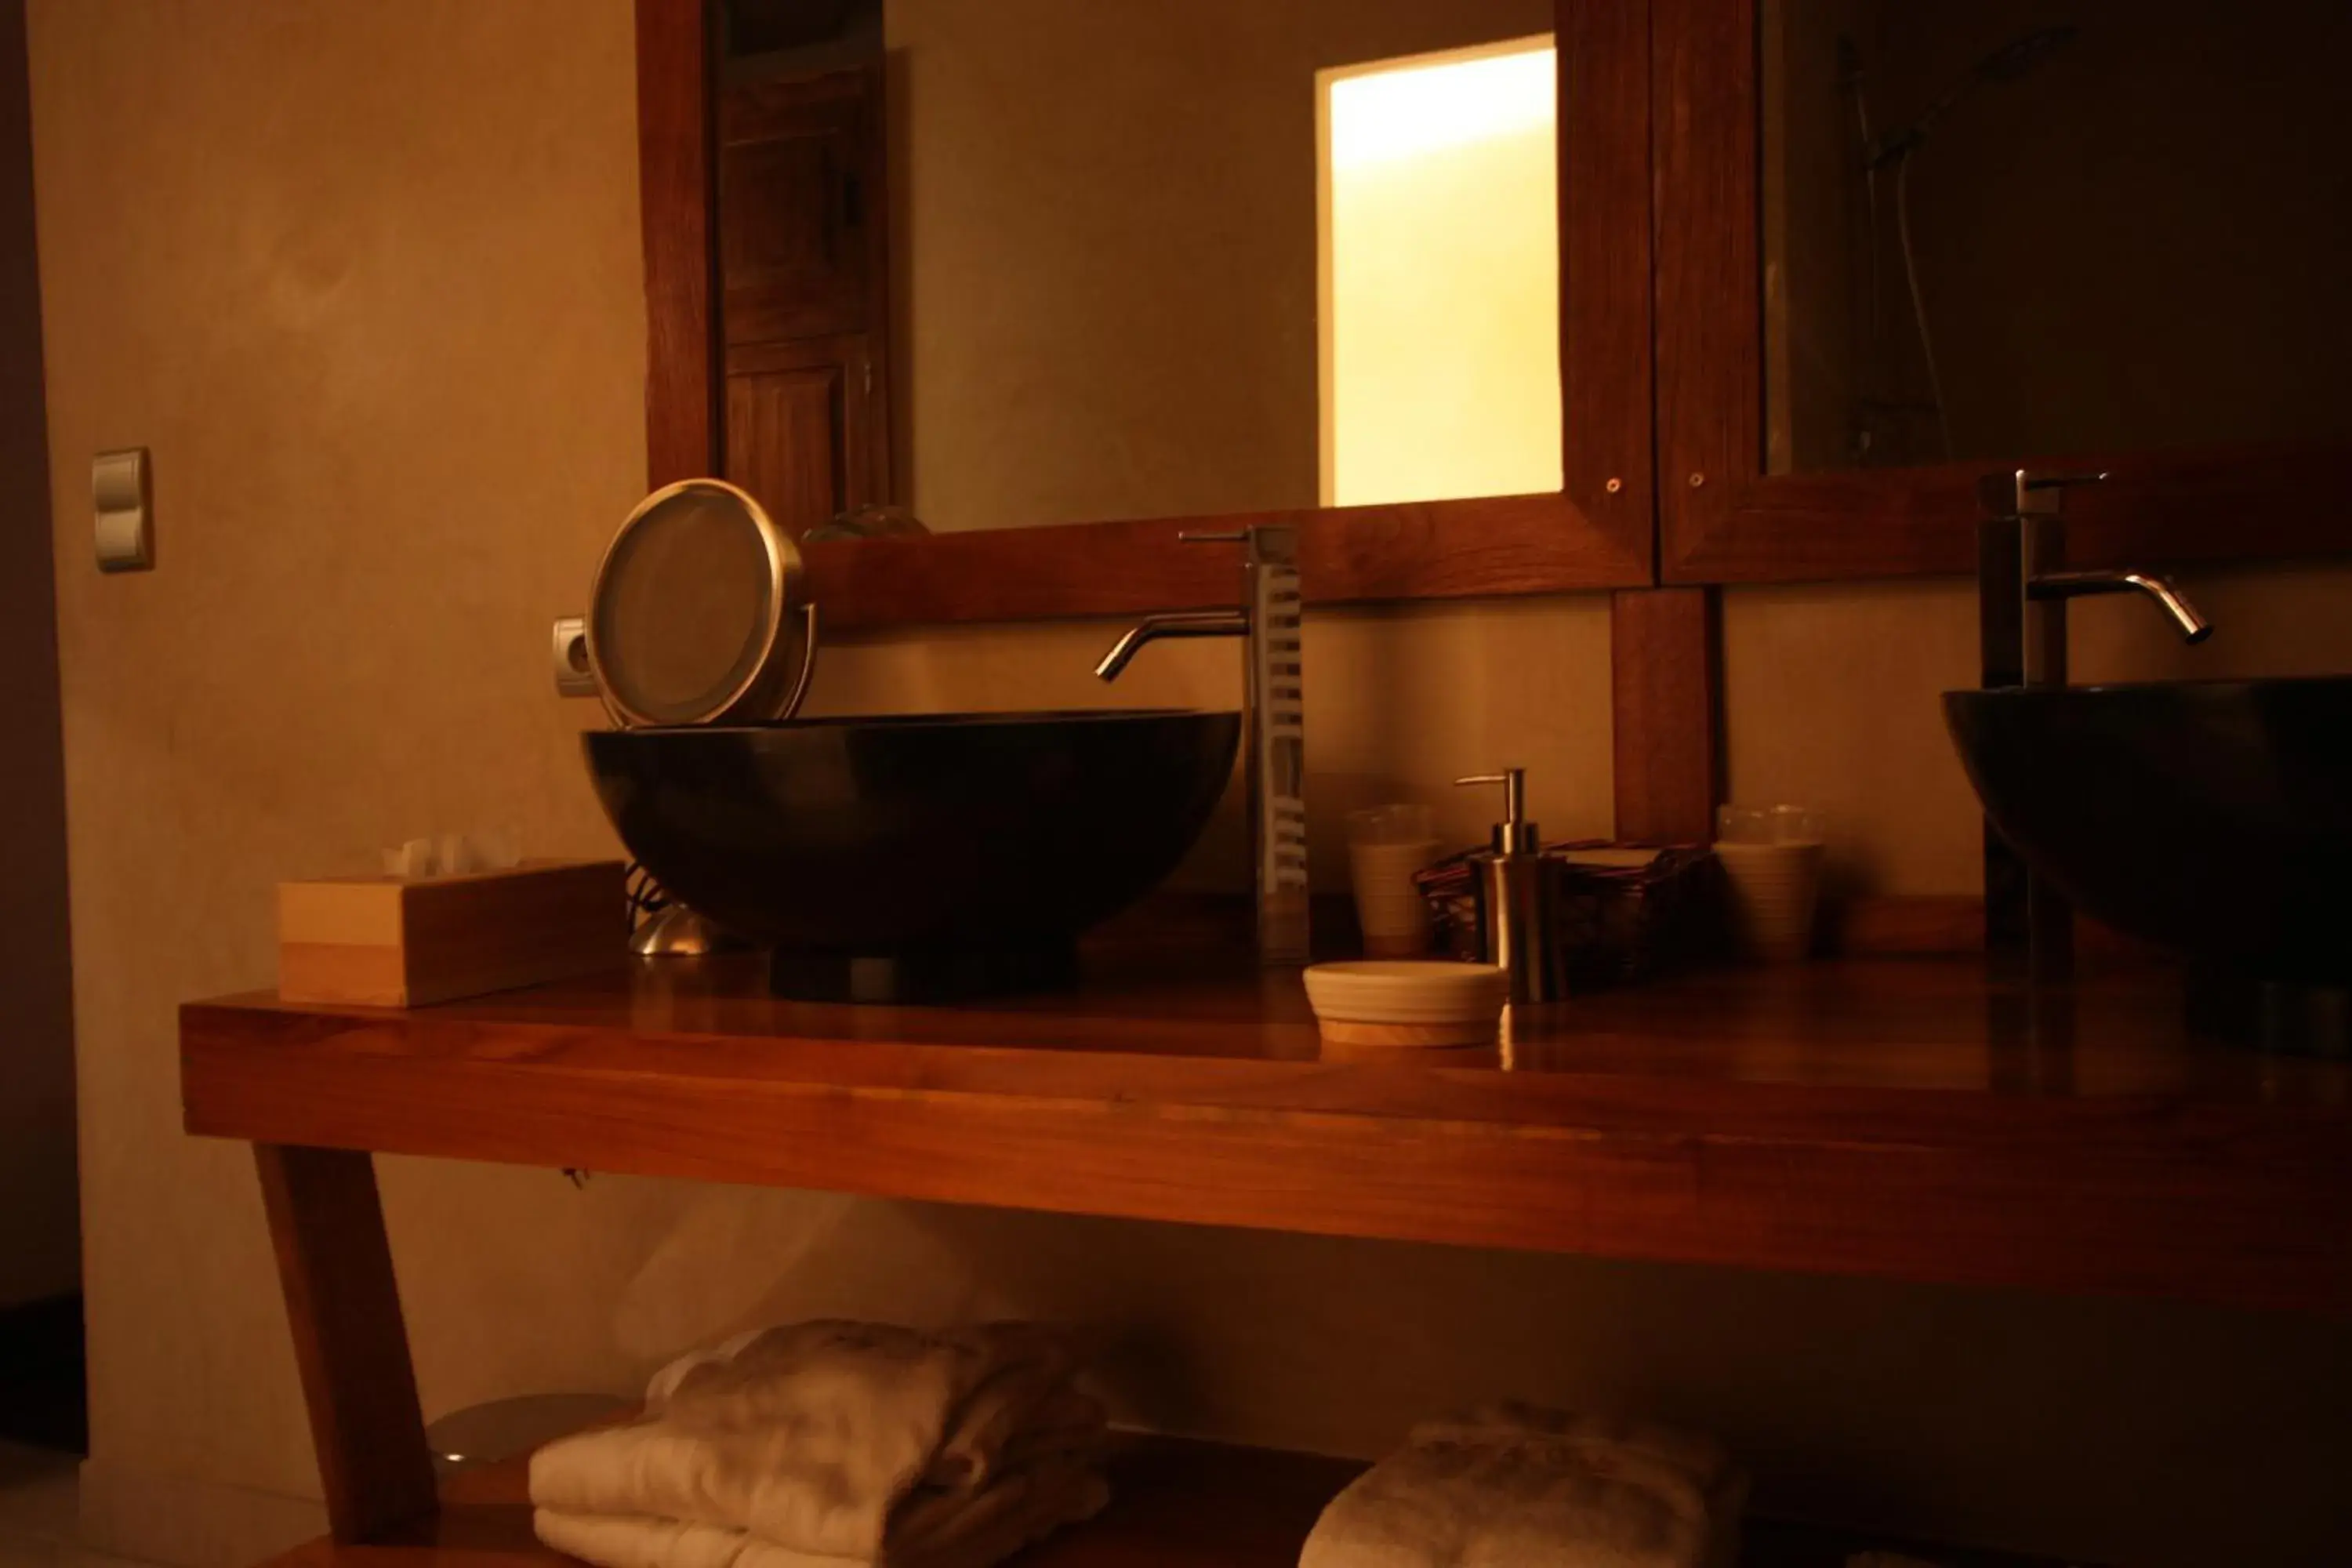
(384, 941)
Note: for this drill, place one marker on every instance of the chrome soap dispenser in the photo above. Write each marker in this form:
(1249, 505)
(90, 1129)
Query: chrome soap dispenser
(1517, 896)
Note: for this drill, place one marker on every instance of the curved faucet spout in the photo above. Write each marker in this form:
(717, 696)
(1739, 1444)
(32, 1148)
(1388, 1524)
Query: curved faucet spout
(2193, 627)
(1151, 628)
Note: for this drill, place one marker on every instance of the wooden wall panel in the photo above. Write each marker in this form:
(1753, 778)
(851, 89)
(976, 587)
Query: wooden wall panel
(1666, 656)
(1605, 258)
(1710, 321)
(679, 204)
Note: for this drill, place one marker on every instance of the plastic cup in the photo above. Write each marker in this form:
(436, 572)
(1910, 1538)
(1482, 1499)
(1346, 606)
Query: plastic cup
(1386, 845)
(1772, 858)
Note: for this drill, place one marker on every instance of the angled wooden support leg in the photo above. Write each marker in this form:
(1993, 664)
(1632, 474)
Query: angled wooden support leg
(335, 1265)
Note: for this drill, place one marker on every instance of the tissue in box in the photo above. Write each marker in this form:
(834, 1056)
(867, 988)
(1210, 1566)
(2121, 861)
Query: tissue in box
(389, 941)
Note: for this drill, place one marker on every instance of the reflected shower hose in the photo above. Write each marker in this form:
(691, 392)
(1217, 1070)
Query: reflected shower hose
(2013, 62)
(1919, 303)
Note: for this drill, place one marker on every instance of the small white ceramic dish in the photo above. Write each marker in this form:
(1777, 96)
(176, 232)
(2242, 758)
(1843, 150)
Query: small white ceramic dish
(1425, 998)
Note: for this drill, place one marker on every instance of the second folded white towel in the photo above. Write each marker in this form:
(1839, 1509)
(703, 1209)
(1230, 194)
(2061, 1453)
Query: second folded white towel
(1511, 1485)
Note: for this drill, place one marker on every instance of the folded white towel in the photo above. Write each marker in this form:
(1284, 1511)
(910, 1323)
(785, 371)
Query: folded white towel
(1511, 1485)
(831, 1443)
(940, 1530)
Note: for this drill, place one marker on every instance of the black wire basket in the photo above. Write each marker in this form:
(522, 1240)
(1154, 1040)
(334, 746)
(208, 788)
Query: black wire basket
(1621, 918)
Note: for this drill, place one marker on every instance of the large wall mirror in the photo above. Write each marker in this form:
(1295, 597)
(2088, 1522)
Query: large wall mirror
(1153, 261)
(2020, 226)
(1007, 265)
(1907, 241)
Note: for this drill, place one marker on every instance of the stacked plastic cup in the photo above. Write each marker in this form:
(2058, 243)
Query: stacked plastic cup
(1386, 845)
(1772, 857)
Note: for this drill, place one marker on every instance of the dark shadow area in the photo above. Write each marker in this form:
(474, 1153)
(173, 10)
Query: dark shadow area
(44, 1393)
(41, 1359)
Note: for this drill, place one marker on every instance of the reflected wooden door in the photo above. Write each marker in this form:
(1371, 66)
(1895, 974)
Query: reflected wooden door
(800, 429)
(803, 287)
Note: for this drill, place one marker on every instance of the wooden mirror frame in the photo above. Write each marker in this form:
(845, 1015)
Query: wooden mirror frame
(1722, 519)
(1596, 532)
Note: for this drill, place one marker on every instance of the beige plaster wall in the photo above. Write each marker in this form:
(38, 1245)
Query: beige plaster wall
(375, 306)
(39, 1251)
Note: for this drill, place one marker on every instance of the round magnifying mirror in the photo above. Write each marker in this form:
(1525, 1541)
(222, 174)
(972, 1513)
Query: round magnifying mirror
(689, 622)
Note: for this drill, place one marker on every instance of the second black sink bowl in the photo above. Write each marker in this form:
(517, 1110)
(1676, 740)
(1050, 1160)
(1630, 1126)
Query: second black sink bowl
(943, 853)
(2212, 817)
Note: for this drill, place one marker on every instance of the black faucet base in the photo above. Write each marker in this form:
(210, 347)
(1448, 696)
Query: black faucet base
(2301, 1018)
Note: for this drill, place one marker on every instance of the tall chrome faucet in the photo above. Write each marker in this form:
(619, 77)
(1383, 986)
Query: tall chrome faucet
(2023, 587)
(1268, 622)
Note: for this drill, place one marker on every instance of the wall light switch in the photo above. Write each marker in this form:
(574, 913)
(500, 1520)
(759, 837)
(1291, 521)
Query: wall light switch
(126, 529)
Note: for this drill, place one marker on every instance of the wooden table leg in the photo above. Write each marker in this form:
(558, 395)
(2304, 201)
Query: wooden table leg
(335, 1265)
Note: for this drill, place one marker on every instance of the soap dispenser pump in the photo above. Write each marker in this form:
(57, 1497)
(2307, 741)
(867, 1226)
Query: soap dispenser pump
(1518, 905)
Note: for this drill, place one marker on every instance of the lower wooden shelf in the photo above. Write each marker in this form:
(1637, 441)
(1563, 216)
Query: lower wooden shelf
(1905, 1120)
(1175, 1504)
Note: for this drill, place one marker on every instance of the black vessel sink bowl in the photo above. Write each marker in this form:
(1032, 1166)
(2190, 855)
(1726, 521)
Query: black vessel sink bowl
(948, 854)
(2214, 819)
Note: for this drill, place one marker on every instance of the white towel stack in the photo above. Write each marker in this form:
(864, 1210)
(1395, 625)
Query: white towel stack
(1511, 1486)
(829, 1444)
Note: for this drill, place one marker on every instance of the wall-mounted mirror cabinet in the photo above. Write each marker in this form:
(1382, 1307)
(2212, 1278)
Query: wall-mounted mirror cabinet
(1903, 244)
(2092, 226)
(1148, 261)
(1062, 278)
(1496, 297)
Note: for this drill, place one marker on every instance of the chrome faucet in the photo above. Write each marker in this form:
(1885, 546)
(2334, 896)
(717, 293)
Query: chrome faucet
(1268, 622)
(2023, 587)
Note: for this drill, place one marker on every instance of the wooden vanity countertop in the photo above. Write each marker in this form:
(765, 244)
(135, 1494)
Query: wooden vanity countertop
(1898, 1118)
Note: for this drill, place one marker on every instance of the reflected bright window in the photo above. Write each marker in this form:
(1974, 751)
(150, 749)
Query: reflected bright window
(1439, 250)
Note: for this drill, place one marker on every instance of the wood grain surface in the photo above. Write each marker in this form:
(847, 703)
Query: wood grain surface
(677, 200)
(1900, 1119)
(1665, 650)
(350, 1340)
(395, 943)
(1605, 255)
(1419, 550)
(1709, 367)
